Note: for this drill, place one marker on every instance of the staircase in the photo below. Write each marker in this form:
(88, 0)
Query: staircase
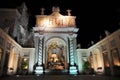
(58, 77)
(56, 72)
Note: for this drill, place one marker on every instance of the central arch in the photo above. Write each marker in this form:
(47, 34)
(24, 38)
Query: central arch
(56, 54)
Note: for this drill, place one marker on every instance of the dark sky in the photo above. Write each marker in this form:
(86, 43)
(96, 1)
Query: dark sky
(92, 17)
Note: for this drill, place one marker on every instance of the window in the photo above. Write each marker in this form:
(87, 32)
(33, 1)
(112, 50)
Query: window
(104, 47)
(26, 54)
(24, 64)
(113, 43)
(1, 41)
(115, 57)
(83, 54)
(8, 45)
(106, 59)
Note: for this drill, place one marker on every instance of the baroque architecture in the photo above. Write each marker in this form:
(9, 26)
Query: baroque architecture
(55, 42)
(104, 56)
(51, 46)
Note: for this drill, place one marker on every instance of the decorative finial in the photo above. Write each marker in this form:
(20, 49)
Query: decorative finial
(69, 14)
(92, 42)
(107, 33)
(78, 46)
(42, 11)
(100, 37)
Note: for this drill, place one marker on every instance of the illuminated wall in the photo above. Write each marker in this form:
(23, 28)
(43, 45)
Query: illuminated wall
(81, 56)
(11, 54)
(13, 59)
(55, 20)
(106, 54)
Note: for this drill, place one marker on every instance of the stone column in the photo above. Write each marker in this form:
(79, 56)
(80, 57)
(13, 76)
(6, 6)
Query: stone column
(40, 52)
(39, 67)
(36, 39)
(72, 67)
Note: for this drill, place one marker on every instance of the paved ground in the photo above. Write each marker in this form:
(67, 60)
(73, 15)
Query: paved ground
(59, 77)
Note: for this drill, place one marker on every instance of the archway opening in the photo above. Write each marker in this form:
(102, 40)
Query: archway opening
(56, 52)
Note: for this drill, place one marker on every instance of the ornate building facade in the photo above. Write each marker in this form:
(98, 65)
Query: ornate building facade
(104, 56)
(55, 42)
(51, 47)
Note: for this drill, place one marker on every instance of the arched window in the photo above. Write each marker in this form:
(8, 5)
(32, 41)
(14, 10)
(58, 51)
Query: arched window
(0, 55)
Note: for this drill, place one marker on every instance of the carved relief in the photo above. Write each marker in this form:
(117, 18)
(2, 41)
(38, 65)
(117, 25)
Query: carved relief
(55, 19)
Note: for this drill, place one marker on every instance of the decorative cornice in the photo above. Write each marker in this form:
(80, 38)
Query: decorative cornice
(55, 29)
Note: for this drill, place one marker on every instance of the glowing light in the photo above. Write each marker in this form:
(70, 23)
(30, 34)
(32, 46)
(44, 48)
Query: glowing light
(25, 59)
(46, 23)
(107, 65)
(26, 67)
(55, 21)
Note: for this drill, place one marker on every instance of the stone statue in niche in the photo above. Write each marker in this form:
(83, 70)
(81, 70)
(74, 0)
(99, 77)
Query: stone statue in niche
(55, 56)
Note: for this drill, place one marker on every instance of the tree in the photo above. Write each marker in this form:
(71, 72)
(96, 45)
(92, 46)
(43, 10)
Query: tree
(86, 67)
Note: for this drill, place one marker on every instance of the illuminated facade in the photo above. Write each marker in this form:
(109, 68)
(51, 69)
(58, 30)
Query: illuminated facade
(55, 40)
(104, 56)
(54, 47)
(12, 55)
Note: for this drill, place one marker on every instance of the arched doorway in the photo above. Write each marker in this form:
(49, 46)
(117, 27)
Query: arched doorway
(98, 61)
(56, 52)
(12, 63)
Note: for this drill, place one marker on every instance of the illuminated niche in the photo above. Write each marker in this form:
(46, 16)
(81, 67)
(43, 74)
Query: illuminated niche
(56, 54)
(115, 57)
(106, 59)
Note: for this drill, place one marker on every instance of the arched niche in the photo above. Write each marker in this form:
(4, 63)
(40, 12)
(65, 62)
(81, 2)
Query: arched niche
(56, 54)
(13, 58)
(98, 61)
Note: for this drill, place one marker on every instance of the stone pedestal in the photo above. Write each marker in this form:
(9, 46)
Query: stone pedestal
(73, 70)
(39, 70)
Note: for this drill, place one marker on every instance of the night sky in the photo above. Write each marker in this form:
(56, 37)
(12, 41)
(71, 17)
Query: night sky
(92, 17)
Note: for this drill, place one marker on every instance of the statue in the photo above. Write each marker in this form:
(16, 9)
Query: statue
(55, 56)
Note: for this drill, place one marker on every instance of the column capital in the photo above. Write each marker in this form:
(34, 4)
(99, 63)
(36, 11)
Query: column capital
(71, 36)
(36, 34)
(41, 36)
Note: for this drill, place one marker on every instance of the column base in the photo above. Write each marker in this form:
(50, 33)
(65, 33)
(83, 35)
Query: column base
(39, 70)
(73, 70)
